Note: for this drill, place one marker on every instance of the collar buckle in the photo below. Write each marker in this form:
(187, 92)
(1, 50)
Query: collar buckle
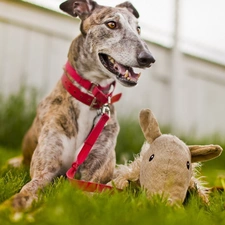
(93, 85)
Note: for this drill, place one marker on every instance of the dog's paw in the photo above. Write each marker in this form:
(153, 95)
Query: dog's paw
(14, 215)
(18, 202)
(15, 162)
(22, 201)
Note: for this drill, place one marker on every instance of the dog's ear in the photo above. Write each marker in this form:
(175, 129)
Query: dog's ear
(130, 7)
(81, 8)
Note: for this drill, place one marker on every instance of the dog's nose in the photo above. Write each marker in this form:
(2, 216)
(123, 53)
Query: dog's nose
(145, 59)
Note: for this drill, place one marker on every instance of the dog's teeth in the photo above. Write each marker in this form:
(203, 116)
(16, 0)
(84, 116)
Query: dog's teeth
(111, 59)
(126, 75)
(139, 75)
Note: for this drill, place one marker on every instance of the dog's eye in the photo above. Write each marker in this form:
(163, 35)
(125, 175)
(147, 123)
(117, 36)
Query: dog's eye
(139, 29)
(111, 24)
(151, 157)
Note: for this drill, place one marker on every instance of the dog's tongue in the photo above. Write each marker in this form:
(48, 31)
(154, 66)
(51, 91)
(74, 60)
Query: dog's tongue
(120, 68)
(126, 72)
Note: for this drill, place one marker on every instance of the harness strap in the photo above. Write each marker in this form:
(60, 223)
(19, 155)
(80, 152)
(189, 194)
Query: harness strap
(88, 144)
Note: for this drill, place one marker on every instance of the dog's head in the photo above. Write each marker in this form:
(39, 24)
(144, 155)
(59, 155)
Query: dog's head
(111, 36)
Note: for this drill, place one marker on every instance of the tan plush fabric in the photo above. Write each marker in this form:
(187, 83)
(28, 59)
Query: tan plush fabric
(167, 172)
(164, 165)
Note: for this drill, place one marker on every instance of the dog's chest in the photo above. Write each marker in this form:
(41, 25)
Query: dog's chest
(85, 123)
(72, 146)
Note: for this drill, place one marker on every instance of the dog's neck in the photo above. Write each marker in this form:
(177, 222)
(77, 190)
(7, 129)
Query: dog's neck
(83, 60)
(89, 93)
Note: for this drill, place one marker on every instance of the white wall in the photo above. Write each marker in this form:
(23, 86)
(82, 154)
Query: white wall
(33, 49)
(33, 45)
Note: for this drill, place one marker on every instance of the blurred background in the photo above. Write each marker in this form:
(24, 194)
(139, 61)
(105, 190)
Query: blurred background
(185, 88)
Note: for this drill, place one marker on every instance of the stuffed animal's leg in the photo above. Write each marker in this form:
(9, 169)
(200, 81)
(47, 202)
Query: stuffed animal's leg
(131, 172)
(198, 186)
(125, 173)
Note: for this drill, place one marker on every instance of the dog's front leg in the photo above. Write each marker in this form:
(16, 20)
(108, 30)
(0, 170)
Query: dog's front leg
(46, 164)
(100, 163)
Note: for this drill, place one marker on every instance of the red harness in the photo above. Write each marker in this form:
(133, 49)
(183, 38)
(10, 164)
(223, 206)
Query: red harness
(98, 97)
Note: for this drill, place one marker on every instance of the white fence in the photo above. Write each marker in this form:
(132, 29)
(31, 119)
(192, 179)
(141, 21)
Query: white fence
(33, 49)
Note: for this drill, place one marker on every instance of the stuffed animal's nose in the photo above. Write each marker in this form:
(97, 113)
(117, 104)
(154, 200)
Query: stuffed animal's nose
(145, 59)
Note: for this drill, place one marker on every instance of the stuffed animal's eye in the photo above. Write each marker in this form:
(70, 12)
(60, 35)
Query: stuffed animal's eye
(139, 29)
(188, 165)
(112, 25)
(151, 157)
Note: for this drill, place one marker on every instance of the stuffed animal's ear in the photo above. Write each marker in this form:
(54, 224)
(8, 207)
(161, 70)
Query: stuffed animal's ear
(149, 125)
(130, 7)
(81, 8)
(204, 152)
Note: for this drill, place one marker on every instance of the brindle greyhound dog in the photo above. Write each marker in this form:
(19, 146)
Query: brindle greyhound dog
(107, 49)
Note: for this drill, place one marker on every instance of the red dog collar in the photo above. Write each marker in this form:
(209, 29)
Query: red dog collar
(98, 95)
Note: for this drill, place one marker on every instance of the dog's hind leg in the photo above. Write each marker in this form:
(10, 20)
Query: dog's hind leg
(28, 146)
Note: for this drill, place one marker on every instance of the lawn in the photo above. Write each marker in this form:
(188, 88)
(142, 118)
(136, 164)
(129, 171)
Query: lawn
(60, 203)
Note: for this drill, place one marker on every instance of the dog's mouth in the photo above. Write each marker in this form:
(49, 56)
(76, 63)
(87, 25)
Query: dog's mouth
(124, 74)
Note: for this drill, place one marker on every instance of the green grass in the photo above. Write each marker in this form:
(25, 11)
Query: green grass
(60, 203)
(16, 114)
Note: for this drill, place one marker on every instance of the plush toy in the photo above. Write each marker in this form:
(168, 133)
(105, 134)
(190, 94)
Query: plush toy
(166, 165)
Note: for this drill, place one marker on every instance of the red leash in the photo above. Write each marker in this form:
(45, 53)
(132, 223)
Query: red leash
(88, 144)
(98, 99)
